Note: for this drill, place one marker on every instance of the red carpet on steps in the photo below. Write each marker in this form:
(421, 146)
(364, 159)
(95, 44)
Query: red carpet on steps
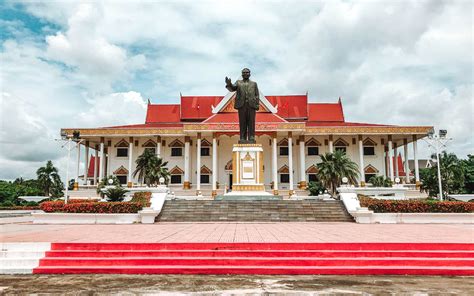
(260, 258)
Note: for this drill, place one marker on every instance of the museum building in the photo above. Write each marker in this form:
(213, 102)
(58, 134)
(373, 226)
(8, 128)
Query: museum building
(196, 138)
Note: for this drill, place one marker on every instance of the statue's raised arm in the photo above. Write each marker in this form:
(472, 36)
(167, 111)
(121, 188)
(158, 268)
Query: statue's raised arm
(229, 85)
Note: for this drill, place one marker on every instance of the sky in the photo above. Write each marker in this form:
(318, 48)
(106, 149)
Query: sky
(96, 63)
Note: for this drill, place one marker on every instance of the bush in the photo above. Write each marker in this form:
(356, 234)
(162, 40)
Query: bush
(316, 188)
(415, 206)
(105, 182)
(115, 194)
(142, 198)
(19, 208)
(91, 207)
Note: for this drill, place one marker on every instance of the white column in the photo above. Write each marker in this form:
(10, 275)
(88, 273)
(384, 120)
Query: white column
(96, 164)
(302, 163)
(397, 173)
(214, 165)
(158, 146)
(86, 163)
(101, 161)
(130, 162)
(108, 166)
(275, 166)
(290, 160)
(187, 168)
(405, 155)
(198, 163)
(361, 162)
(415, 159)
(76, 180)
(390, 158)
(331, 146)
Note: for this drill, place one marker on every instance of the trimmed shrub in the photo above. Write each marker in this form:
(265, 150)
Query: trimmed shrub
(91, 207)
(115, 194)
(23, 208)
(142, 198)
(415, 206)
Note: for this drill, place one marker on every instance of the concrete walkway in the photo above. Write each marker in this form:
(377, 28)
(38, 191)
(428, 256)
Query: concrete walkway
(237, 232)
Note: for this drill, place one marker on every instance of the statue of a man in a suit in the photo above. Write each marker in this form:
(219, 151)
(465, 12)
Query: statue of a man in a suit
(247, 102)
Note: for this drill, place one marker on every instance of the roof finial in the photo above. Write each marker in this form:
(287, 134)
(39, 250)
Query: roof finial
(149, 102)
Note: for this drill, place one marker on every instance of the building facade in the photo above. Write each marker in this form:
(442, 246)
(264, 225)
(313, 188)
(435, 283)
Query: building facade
(196, 137)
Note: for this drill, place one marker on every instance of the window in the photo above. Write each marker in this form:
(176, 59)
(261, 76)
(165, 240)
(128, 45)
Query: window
(122, 152)
(312, 178)
(369, 150)
(204, 179)
(152, 150)
(122, 179)
(313, 150)
(175, 179)
(341, 148)
(283, 150)
(284, 178)
(205, 151)
(368, 176)
(176, 151)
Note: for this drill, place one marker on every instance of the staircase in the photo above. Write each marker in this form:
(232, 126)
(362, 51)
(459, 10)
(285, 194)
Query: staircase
(252, 210)
(259, 258)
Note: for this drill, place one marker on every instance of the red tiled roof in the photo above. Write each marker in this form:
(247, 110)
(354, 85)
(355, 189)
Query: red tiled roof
(198, 107)
(293, 106)
(326, 112)
(151, 125)
(234, 118)
(163, 113)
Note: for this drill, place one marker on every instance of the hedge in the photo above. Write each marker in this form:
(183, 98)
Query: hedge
(24, 208)
(415, 206)
(91, 207)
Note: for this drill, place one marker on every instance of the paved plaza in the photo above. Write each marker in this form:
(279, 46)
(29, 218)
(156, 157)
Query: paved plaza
(12, 230)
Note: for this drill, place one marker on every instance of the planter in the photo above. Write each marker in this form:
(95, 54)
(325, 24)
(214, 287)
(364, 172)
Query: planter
(365, 216)
(148, 215)
(84, 218)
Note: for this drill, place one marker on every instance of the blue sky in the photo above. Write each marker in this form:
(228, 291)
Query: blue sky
(88, 64)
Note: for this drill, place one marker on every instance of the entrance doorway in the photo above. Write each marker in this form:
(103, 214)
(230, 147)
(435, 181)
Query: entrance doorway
(230, 181)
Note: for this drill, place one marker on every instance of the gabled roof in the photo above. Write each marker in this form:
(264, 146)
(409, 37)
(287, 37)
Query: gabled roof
(198, 107)
(234, 118)
(326, 112)
(163, 113)
(230, 95)
(291, 106)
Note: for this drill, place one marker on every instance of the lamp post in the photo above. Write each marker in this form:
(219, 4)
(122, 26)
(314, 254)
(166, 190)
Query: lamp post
(68, 139)
(437, 142)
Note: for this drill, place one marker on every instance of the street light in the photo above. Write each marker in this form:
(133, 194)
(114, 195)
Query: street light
(438, 142)
(68, 139)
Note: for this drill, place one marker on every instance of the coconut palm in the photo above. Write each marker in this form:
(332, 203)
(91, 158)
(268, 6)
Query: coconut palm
(335, 166)
(150, 168)
(49, 179)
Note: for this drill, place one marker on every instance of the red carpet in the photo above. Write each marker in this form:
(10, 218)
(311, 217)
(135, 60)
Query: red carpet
(260, 258)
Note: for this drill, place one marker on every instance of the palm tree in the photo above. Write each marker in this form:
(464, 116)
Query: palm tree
(49, 179)
(150, 168)
(333, 167)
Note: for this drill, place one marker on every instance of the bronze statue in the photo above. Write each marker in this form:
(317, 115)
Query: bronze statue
(247, 102)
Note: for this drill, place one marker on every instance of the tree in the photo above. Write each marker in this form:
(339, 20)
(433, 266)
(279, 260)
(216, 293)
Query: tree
(49, 180)
(150, 168)
(316, 188)
(105, 182)
(333, 167)
(468, 165)
(452, 176)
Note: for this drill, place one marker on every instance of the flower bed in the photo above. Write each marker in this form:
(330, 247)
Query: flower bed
(21, 208)
(142, 197)
(415, 206)
(91, 207)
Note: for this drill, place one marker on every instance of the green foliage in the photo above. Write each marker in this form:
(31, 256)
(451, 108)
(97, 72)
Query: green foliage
(105, 182)
(150, 168)
(468, 165)
(380, 181)
(315, 188)
(91, 207)
(452, 176)
(333, 167)
(49, 180)
(115, 193)
(10, 191)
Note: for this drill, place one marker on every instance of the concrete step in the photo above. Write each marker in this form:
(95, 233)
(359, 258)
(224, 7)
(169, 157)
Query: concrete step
(21, 258)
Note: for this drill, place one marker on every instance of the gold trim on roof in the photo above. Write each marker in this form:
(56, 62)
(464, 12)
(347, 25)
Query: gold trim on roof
(324, 130)
(122, 131)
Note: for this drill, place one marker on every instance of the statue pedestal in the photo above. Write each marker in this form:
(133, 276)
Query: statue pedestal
(247, 170)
